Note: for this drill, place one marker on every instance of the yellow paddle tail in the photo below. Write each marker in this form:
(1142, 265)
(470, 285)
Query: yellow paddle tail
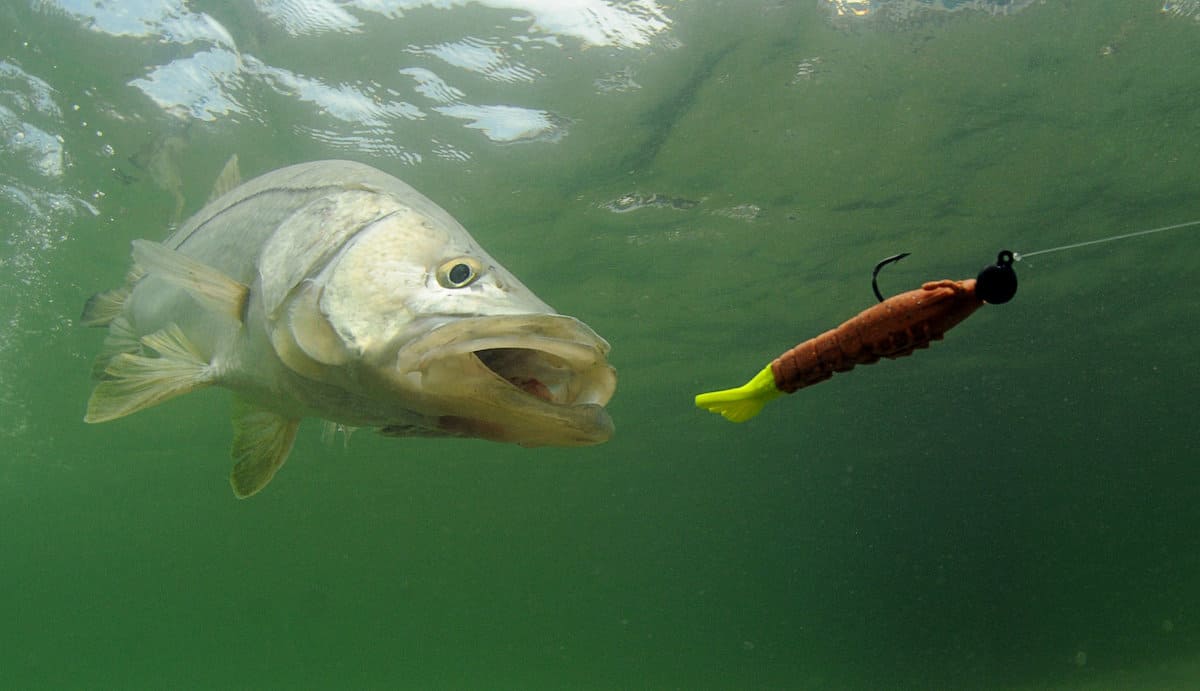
(744, 402)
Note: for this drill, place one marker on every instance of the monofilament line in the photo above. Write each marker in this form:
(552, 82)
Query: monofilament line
(1021, 255)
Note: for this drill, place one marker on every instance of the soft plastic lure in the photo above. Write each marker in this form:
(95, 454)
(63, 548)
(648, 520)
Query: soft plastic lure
(894, 328)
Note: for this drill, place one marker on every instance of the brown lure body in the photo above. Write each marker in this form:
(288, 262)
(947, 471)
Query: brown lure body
(893, 328)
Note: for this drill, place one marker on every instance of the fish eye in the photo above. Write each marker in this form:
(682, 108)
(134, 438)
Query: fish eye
(458, 273)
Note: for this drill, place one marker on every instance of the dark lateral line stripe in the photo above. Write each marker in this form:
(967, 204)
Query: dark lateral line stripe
(247, 198)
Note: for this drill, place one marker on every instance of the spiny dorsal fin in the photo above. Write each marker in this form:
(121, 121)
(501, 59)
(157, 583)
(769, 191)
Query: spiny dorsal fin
(212, 288)
(262, 441)
(135, 381)
(229, 177)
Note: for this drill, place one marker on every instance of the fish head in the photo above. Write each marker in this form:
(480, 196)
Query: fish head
(412, 313)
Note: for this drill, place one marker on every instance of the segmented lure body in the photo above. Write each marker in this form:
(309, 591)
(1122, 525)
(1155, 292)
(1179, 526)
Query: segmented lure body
(891, 329)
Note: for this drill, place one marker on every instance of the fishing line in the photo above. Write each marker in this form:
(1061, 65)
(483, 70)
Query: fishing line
(1018, 256)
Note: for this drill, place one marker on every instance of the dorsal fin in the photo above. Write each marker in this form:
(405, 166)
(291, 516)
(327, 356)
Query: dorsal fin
(212, 288)
(229, 177)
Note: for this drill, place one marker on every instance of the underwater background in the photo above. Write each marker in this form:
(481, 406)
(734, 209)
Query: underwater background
(706, 184)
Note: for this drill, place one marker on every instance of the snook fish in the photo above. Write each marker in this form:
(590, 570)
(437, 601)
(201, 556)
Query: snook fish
(333, 290)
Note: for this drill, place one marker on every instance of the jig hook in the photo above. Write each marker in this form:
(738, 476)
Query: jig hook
(880, 265)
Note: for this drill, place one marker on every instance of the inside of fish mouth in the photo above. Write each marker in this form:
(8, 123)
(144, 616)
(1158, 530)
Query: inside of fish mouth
(536, 372)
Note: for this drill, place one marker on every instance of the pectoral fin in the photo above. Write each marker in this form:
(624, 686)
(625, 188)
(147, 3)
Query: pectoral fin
(262, 441)
(212, 288)
(311, 330)
(304, 339)
(135, 381)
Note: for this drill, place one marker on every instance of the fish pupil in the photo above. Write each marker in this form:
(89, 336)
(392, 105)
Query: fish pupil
(459, 274)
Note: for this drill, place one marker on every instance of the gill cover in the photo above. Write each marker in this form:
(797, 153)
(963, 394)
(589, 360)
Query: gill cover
(289, 268)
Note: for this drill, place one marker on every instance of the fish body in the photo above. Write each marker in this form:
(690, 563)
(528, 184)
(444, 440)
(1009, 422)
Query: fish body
(333, 290)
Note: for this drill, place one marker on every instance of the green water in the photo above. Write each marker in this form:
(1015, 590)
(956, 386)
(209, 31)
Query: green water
(1015, 508)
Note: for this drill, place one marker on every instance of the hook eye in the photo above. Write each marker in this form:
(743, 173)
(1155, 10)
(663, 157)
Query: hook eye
(997, 283)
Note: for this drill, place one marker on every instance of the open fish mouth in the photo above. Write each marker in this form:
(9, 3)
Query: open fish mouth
(546, 358)
(530, 379)
(546, 375)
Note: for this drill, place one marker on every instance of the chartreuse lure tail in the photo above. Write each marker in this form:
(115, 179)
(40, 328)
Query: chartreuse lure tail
(744, 402)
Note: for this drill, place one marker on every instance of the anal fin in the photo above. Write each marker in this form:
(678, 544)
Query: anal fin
(212, 288)
(262, 441)
(134, 381)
